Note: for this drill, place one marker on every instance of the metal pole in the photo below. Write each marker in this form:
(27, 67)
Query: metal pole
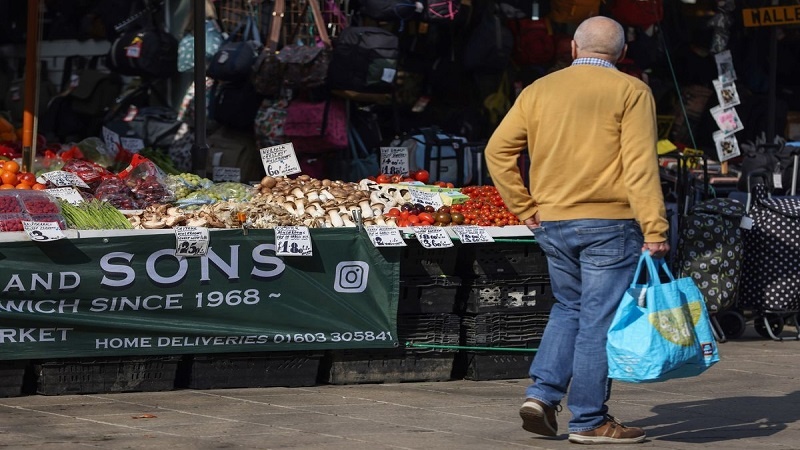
(200, 147)
(773, 77)
(31, 82)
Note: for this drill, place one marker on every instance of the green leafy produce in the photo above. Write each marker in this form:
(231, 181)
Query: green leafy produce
(94, 215)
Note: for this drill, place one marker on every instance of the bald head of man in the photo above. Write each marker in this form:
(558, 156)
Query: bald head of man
(599, 37)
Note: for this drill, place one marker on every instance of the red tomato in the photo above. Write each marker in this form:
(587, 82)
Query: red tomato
(383, 179)
(394, 212)
(396, 178)
(413, 219)
(422, 175)
(404, 214)
(425, 217)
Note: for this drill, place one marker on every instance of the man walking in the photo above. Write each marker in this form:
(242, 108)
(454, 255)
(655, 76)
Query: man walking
(594, 205)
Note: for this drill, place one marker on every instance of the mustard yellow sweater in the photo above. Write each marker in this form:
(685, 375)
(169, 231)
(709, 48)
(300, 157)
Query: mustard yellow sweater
(591, 135)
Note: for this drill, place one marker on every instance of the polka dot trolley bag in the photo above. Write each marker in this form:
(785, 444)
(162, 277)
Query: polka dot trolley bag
(710, 249)
(771, 272)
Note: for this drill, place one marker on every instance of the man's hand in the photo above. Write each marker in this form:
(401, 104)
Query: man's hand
(656, 249)
(532, 222)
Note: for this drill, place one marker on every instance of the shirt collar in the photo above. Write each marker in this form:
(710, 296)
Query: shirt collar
(593, 62)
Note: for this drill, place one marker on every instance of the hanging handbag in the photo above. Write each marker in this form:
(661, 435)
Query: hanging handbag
(186, 46)
(268, 125)
(306, 65)
(150, 53)
(661, 330)
(268, 70)
(316, 127)
(234, 60)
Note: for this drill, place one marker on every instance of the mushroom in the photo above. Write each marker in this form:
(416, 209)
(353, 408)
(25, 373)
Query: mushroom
(313, 196)
(290, 207)
(335, 218)
(367, 185)
(378, 219)
(155, 223)
(391, 221)
(314, 210)
(300, 207)
(346, 219)
(366, 210)
(298, 193)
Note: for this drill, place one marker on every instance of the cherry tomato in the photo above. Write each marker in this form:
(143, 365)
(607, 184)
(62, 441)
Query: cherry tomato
(383, 179)
(394, 212)
(425, 217)
(396, 178)
(422, 175)
(413, 219)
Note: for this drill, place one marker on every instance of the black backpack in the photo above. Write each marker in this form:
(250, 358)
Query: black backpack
(364, 59)
(151, 53)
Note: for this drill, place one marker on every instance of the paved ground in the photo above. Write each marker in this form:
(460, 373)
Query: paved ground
(747, 401)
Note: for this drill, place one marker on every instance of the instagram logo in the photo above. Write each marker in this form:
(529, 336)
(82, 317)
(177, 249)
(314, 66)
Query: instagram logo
(351, 276)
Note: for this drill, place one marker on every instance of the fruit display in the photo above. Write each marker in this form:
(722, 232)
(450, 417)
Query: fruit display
(21, 205)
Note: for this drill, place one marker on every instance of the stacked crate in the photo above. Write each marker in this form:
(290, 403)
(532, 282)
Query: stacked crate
(105, 375)
(254, 369)
(506, 299)
(426, 314)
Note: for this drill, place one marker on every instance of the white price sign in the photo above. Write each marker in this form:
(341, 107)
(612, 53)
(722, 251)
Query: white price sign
(394, 160)
(293, 241)
(191, 241)
(426, 198)
(68, 194)
(42, 231)
(280, 160)
(133, 145)
(433, 237)
(384, 236)
(472, 234)
(61, 178)
(227, 174)
(110, 138)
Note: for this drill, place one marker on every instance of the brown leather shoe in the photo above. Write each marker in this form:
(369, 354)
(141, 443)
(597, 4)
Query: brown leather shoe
(610, 432)
(538, 418)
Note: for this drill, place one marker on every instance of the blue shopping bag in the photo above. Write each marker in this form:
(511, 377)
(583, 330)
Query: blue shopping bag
(661, 330)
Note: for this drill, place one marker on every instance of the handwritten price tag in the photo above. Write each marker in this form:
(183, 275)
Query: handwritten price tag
(383, 236)
(61, 178)
(472, 234)
(426, 198)
(42, 231)
(293, 241)
(394, 160)
(433, 237)
(227, 174)
(191, 241)
(68, 194)
(280, 160)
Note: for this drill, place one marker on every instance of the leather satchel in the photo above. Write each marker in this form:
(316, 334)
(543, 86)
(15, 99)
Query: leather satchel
(316, 127)
(234, 60)
(268, 71)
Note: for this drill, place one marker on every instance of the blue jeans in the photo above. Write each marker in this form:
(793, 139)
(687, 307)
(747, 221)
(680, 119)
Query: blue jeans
(591, 264)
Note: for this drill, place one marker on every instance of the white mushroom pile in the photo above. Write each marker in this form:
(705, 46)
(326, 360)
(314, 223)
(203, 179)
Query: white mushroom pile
(327, 203)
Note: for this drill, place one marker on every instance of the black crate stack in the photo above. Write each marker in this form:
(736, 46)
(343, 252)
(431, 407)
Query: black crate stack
(104, 375)
(506, 299)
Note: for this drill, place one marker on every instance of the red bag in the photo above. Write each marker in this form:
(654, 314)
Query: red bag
(637, 13)
(316, 127)
(533, 42)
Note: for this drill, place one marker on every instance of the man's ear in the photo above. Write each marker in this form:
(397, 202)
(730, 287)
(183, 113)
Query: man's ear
(624, 51)
(574, 50)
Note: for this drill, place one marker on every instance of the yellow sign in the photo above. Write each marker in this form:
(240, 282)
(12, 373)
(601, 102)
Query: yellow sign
(773, 16)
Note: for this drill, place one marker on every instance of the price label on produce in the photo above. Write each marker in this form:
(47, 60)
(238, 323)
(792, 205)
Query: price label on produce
(42, 231)
(394, 160)
(68, 194)
(384, 236)
(110, 138)
(472, 234)
(61, 178)
(227, 174)
(433, 237)
(293, 241)
(280, 160)
(133, 145)
(426, 198)
(191, 241)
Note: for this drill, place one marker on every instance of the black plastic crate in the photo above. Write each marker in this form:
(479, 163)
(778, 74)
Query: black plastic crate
(504, 260)
(481, 366)
(428, 294)
(491, 294)
(437, 329)
(128, 374)
(12, 377)
(386, 366)
(245, 370)
(418, 261)
(518, 330)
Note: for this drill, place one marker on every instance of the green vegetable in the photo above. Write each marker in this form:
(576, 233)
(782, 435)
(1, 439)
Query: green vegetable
(94, 215)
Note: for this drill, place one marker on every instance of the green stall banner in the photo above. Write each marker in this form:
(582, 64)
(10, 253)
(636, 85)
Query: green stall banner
(130, 295)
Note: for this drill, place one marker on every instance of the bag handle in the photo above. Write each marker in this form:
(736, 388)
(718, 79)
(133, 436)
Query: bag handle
(319, 22)
(652, 270)
(275, 25)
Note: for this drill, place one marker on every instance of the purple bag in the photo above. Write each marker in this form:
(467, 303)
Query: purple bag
(316, 127)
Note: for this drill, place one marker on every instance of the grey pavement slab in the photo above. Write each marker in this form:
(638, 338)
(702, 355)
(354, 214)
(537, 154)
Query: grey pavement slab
(747, 401)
